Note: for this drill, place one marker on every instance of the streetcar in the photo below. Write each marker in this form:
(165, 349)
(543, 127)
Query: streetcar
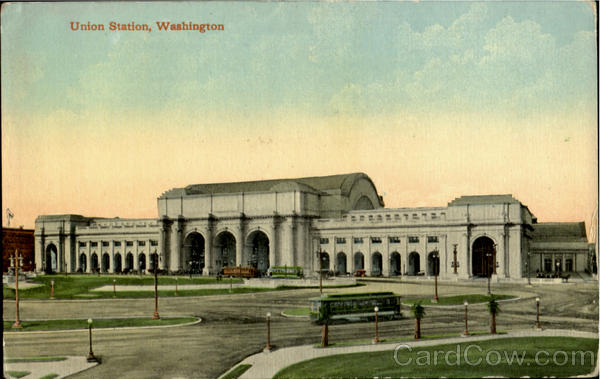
(355, 307)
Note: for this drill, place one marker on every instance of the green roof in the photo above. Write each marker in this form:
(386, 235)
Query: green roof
(315, 184)
(559, 232)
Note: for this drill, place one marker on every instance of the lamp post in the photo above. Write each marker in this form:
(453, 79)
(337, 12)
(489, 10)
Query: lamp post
(455, 262)
(489, 255)
(436, 264)
(268, 347)
(155, 316)
(528, 268)
(466, 333)
(320, 255)
(52, 289)
(114, 287)
(230, 283)
(176, 286)
(91, 357)
(376, 339)
(537, 323)
(16, 263)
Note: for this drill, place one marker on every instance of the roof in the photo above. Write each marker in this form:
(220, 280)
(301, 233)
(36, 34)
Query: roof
(484, 199)
(559, 232)
(315, 184)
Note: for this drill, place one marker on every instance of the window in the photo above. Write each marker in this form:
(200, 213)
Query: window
(153, 243)
(432, 239)
(388, 217)
(433, 216)
(415, 216)
(117, 243)
(340, 240)
(548, 264)
(394, 239)
(362, 218)
(413, 239)
(81, 244)
(370, 217)
(104, 243)
(568, 264)
(379, 218)
(375, 239)
(324, 241)
(94, 244)
(353, 218)
(141, 243)
(358, 240)
(129, 243)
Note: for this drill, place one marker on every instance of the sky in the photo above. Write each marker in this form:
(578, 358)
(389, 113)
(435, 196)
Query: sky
(433, 100)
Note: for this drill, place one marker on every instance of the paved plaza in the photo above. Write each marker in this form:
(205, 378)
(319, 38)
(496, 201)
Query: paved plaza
(233, 326)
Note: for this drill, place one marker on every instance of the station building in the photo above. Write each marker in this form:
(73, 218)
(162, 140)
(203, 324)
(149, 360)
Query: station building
(336, 223)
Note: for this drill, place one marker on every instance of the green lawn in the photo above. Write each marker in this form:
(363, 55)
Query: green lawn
(237, 372)
(98, 323)
(297, 311)
(457, 300)
(50, 376)
(18, 374)
(34, 359)
(483, 358)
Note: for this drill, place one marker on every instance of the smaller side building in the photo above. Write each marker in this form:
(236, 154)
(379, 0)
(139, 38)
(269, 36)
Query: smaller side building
(18, 239)
(558, 247)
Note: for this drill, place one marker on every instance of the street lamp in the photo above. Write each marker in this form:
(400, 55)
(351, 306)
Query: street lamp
(52, 289)
(537, 324)
(489, 255)
(376, 339)
(91, 357)
(176, 286)
(16, 263)
(466, 333)
(155, 316)
(268, 347)
(528, 268)
(320, 255)
(114, 287)
(455, 261)
(436, 269)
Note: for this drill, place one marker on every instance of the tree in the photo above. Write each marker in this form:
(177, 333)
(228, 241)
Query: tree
(418, 312)
(493, 308)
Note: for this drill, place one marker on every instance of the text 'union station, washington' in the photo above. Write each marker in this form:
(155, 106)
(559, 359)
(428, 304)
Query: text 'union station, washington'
(287, 222)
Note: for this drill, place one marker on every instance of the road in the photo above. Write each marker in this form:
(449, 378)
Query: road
(233, 326)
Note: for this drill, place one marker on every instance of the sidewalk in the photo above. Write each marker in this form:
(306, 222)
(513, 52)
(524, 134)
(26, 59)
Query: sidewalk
(266, 365)
(64, 368)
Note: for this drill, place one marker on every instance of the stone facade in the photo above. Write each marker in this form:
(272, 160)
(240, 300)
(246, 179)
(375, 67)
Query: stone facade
(293, 222)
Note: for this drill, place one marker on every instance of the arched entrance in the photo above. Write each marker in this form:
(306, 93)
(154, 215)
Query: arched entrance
(105, 262)
(129, 262)
(326, 263)
(340, 268)
(118, 266)
(395, 268)
(225, 247)
(153, 261)
(484, 257)
(433, 264)
(359, 261)
(94, 263)
(376, 264)
(259, 253)
(193, 253)
(51, 259)
(142, 261)
(414, 263)
(82, 263)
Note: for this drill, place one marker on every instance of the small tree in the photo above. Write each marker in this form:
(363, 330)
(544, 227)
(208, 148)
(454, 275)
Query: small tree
(418, 312)
(494, 308)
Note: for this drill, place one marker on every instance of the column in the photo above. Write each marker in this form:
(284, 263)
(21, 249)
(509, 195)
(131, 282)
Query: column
(136, 256)
(385, 257)
(176, 232)
(350, 259)
(111, 255)
(208, 253)
(59, 254)
(162, 246)
(465, 262)
(500, 254)
(39, 256)
(287, 256)
(301, 238)
(273, 243)
(367, 255)
(239, 244)
(88, 264)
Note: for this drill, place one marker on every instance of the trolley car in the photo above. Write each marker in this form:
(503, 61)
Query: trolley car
(355, 306)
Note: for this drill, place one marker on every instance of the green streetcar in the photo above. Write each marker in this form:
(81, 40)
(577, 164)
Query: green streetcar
(355, 306)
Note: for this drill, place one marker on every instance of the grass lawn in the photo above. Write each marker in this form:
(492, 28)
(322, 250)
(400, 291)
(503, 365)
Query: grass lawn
(34, 359)
(236, 372)
(297, 312)
(98, 323)
(18, 374)
(50, 376)
(482, 358)
(457, 300)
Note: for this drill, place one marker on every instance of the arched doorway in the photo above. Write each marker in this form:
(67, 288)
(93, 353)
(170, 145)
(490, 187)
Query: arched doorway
(259, 253)
(340, 268)
(51, 259)
(484, 257)
(105, 262)
(225, 247)
(193, 253)
(395, 268)
(142, 262)
(359, 261)
(129, 262)
(118, 266)
(82, 263)
(376, 264)
(154, 261)
(433, 264)
(414, 263)
(94, 262)
(326, 263)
